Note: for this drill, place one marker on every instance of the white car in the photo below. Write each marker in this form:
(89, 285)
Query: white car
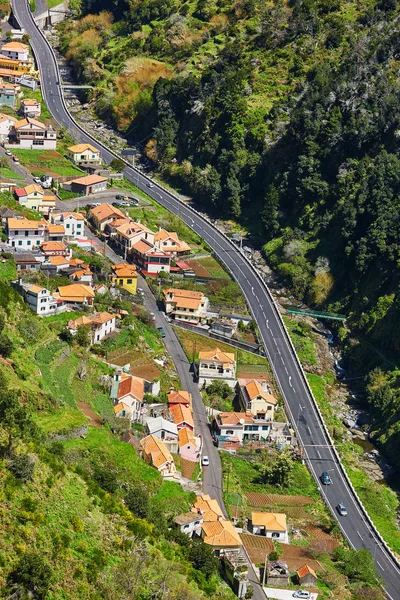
(205, 461)
(301, 594)
(150, 185)
(37, 180)
(8, 152)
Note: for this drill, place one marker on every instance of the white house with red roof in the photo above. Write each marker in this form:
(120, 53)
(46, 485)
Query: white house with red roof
(149, 260)
(32, 134)
(127, 393)
(34, 197)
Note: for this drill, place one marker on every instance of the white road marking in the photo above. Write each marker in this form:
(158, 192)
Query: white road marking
(359, 534)
(318, 454)
(379, 564)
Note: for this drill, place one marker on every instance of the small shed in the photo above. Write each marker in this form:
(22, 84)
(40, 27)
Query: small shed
(91, 184)
(277, 574)
(306, 576)
(25, 261)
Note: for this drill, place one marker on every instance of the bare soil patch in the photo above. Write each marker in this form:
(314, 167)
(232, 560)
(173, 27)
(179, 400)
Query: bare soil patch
(257, 546)
(257, 500)
(296, 556)
(198, 268)
(88, 411)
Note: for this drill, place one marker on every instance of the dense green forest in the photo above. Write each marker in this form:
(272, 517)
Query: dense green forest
(284, 115)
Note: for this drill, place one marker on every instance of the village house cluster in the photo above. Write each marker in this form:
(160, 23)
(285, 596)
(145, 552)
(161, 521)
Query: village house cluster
(151, 251)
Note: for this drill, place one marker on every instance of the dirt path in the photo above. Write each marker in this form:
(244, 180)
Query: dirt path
(88, 411)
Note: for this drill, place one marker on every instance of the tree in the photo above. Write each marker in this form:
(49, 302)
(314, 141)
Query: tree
(202, 557)
(249, 592)
(6, 345)
(82, 336)
(357, 565)
(31, 575)
(219, 388)
(22, 467)
(25, 38)
(277, 471)
(117, 165)
(269, 216)
(138, 502)
(106, 478)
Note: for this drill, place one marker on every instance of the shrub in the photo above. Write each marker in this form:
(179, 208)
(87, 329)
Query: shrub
(6, 345)
(105, 478)
(22, 467)
(138, 502)
(31, 575)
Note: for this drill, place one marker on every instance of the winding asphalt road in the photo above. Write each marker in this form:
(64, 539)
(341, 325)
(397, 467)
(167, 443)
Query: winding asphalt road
(318, 453)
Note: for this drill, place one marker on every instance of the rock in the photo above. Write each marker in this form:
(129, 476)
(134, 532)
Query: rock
(350, 423)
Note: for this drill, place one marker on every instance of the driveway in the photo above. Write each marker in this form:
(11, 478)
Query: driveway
(19, 169)
(279, 594)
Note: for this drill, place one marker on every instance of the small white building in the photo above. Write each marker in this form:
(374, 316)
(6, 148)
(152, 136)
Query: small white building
(271, 525)
(216, 365)
(101, 325)
(39, 299)
(161, 428)
(241, 427)
(185, 305)
(84, 154)
(30, 108)
(16, 50)
(189, 523)
(6, 123)
(74, 223)
(26, 234)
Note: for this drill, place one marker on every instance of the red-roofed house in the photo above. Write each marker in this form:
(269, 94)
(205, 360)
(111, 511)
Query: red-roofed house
(128, 390)
(150, 260)
(74, 223)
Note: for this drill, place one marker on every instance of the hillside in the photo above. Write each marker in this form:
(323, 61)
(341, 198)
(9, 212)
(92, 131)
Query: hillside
(284, 116)
(82, 515)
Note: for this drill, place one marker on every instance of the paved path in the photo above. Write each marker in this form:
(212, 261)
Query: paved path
(279, 594)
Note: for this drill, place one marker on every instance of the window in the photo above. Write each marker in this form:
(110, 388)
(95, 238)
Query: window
(67, 225)
(275, 535)
(36, 232)
(123, 413)
(37, 242)
(38, 142)
(265, 427)
(16, 232)
(229, 432)
(129, 281)
(79, 225)
(26, 233)
(191, 310)
(19, 242)
(28, 242)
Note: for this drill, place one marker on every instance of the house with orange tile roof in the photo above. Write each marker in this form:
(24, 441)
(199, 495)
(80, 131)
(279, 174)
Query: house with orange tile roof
(82, 275)
(130, 233)
(155, 453)
(73, 223)
(271, 525)
(59, 262)
(26, 234)
(8, 92)
(30, 108)
(240, 426)
(39, 299)
(101, 325)
(89, 184)
(84, 154)
(16, 50)
(101, 215)
(185, 305)
(169, 242)
(125, 275)
(255, 396)
(182, 416)
(55, 233)
(34, 197)
(54, 249)
(129, 390)
(76, 293)
(306, 576)
(189, 446)
(216, 531)
(30, 133)
(150, 260)
(6, 122)
(180, 397)
(215, 365)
